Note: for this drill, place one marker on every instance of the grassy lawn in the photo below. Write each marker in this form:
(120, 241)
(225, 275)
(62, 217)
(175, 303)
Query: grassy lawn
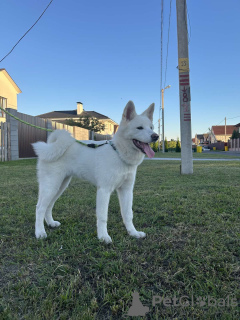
(192, 247)
(206, 154)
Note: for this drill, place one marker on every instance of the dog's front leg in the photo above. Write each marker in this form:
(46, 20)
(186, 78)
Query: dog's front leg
(103, 197)
(125, 195)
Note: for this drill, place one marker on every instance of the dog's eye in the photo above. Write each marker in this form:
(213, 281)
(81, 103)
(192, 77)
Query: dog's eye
(139, 128)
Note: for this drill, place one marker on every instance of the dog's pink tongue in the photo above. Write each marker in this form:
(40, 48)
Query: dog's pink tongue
(148, 150)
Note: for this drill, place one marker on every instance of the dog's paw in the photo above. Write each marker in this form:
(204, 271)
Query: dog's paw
(138, 234)
(54, 224)
(105, 238)
(41, 235)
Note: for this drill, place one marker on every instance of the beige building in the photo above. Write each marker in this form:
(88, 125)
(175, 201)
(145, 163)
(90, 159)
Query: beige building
(8, 93)
(221, 133)
(61, 116)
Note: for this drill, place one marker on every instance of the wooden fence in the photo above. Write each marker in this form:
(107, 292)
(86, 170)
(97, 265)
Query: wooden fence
(99, 137)
(17, 137)
(5, 147)
(28, 135)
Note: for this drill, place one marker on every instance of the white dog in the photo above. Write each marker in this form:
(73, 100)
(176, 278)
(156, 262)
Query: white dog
(109, 167)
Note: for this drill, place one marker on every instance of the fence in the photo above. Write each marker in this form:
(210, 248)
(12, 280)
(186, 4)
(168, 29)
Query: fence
(5, 147)
(234, 144)
(16, 138)
(217, 145)
(28, 135)
(99, 137)
(21, 136)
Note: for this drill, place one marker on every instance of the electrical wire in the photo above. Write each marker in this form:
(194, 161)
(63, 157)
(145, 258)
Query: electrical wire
(161, 71)
(233, 118)
(169, 23)
(220, 122)
(26, 32)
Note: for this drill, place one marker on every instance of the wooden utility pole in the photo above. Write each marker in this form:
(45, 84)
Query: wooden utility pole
(159, 133)
(184, 89)
(163, 136)
(163, 142)
(225, 129)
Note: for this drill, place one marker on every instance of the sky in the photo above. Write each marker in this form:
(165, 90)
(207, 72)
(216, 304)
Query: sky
(105, 53)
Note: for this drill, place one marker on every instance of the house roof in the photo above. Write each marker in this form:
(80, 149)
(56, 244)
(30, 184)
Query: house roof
(58, 114)
(220, 130)
(4, 71)
(69, 114)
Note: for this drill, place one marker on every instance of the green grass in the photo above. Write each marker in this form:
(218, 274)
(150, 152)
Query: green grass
(206, 154)
(192, 246)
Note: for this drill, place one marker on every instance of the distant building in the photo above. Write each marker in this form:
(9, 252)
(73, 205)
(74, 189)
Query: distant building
(201, 139)
(63, 115)
(218, 133)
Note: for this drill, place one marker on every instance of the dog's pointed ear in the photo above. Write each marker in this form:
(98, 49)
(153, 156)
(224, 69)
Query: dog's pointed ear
(129, 111)
(149, 112)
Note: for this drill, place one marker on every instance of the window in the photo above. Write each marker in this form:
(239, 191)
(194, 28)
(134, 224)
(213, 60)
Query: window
(3, 104)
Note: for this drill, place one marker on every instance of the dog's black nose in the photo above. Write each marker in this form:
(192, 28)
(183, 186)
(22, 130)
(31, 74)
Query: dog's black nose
(154, 137)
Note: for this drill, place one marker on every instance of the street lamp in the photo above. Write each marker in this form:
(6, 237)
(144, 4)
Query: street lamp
(163, 144)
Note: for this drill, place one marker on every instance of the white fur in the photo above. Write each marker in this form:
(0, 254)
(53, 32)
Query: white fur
(62, 157)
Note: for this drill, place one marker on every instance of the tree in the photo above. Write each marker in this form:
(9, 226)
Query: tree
(88, 123)
(166, 145)
(178, 146)
(172, 145)
(154, 146)
(235, 134)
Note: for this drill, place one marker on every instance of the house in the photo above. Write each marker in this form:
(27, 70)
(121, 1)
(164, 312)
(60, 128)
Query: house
(222, 133)
(63, 115)
(201, 139)
(8, 93)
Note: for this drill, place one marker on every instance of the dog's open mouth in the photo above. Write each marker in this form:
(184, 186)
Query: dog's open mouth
(144, 147)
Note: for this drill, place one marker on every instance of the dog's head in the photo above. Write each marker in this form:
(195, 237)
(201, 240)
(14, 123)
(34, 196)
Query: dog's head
(139, 128)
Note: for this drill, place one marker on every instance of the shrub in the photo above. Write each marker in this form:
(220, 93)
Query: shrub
(235, 134)
(154, 146)
(178, 146)
(166, 145)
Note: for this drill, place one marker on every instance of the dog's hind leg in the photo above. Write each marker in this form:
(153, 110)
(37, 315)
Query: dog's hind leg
(103, 197)
(47, 193)
(48, 215)
(125, 195)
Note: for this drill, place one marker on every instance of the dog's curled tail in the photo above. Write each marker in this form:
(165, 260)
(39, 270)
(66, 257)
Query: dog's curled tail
(57, 144)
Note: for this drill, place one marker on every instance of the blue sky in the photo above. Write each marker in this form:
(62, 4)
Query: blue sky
(104, 53)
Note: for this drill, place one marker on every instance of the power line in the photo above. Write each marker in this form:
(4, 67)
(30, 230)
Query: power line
(227, 119)
(224, 120)
(161, 71)
(26, 32)
(233, 118)
(220, 122)
(169, 23)
(161, 63)
(162, 5)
